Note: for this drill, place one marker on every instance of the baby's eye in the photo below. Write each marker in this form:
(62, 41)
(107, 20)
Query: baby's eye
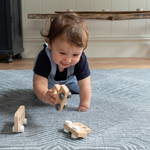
(62, 53)
(75, 54)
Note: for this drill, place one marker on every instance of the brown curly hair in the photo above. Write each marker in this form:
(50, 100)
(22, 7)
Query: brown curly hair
(70, 27)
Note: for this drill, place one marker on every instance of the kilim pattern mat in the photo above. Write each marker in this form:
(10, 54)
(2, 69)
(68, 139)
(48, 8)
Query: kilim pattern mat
(119, 115)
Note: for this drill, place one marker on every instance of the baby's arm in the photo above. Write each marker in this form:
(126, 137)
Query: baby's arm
(85, 94)
(40, 86)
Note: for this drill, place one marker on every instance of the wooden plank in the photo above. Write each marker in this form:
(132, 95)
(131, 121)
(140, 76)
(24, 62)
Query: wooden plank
(116, 15)
(41, 16)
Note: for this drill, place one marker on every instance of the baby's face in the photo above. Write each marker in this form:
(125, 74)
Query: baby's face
(64, 54)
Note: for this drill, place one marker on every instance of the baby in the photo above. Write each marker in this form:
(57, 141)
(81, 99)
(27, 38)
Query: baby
(63, 61)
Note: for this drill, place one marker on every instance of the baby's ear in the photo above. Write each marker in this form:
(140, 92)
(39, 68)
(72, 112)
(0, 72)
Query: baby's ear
(48, 42)
(49, 45)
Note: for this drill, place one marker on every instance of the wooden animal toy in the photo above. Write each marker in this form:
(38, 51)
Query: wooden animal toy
(62, 93)
(19, 119)
(78, 130)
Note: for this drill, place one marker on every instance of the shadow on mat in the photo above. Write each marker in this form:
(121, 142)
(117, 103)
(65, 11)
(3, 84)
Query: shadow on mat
(10, 101)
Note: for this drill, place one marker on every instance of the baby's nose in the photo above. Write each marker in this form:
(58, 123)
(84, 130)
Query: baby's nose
(67, 60)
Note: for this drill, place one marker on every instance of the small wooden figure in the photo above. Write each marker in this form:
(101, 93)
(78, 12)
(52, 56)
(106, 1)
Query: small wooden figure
(19, 119)
(77, 129)
(62, 93)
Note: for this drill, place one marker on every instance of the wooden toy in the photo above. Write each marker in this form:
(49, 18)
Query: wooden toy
(62, 93)
(19, 120)
(78, 130)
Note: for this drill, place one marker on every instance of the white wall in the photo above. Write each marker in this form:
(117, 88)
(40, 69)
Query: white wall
(107, 38)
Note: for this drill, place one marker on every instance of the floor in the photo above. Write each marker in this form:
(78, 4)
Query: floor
(94, 63)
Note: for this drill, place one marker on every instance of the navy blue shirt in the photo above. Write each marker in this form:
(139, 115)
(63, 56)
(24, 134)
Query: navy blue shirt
(43, 67)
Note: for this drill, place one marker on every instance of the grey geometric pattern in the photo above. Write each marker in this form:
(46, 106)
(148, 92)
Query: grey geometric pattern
(119, 115)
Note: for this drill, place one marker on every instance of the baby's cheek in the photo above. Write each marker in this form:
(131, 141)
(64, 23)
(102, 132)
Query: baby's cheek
(77, 60)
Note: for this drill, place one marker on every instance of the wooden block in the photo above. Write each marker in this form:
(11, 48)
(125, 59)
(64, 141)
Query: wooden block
(61, 97)
(19, 117)
(82, 132)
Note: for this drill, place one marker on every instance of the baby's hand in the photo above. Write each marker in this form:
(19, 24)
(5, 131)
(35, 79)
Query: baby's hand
(50, 97)
(82, 108)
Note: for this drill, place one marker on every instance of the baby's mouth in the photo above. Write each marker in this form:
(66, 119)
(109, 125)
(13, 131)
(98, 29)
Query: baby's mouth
(66, 65)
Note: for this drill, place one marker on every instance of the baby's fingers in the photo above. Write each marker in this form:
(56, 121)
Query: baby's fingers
(52, 94)
(52, 101)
